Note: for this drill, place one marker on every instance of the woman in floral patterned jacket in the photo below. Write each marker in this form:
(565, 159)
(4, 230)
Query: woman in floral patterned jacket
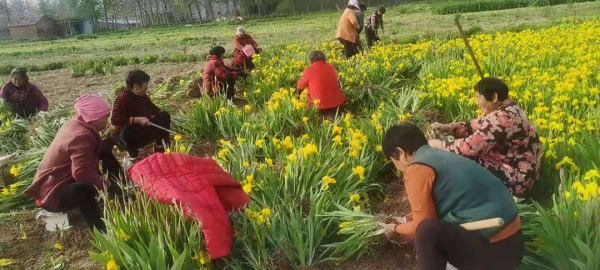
(503, 140)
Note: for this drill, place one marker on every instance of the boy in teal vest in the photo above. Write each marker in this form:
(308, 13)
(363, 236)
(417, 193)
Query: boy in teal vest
(445, 190)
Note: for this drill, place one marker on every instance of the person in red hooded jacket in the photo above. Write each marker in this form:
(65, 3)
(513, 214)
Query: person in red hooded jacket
(242, 39)
(321, 80)
(242, 62)
(217, 74)
(241, 42)
(68, 176)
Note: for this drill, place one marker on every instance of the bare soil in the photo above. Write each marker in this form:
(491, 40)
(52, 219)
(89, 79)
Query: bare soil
(26, 242)
(60, 87)
(37, 250)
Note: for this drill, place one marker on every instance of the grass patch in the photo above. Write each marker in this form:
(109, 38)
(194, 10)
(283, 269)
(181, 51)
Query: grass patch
(467, 6)
(405, 23)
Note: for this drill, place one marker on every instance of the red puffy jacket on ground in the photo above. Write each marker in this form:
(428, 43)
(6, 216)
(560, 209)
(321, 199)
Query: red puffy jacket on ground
(201, 185)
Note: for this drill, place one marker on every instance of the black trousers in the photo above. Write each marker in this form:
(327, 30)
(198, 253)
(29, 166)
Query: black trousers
(110, 164)
(329, 114)
(82, 196)
(26, 110)
(135, 136)
(229, 86)
(372, 37)
(439, 242)
(350, 49)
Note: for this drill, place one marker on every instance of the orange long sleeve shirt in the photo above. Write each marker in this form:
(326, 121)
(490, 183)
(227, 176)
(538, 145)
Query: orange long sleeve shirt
(419, 180)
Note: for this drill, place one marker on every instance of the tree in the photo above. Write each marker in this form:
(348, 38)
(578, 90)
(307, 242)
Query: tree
(7, 12)
(104, 5)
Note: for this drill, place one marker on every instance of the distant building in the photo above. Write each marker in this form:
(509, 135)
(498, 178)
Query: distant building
(4, 33)
(79, 26)
(37, 27)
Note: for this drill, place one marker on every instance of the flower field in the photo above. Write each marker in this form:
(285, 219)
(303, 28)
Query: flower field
(314, 183)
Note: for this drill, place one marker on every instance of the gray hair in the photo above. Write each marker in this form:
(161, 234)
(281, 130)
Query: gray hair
(241, 30)
(316, 56)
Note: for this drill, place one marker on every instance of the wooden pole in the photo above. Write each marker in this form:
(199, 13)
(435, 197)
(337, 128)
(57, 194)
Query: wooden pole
(469, 49)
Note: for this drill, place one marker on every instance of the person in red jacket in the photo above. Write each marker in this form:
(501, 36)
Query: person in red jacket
(134, 113)
(321, 80)
(241, 42)
(23, 97)
(242, 39)
(216, 74)
(242, 62)
(68, 176)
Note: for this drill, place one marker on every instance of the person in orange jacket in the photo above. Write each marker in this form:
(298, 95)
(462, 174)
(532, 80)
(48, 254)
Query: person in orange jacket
(347, 32)
(446, 190)
(321, 80)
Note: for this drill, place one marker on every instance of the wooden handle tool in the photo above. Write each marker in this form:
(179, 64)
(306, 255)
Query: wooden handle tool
(469, 49)
(483, 224)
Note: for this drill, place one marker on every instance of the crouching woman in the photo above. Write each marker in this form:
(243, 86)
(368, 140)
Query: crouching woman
(321, 80)
(68, 176)
(445, 190)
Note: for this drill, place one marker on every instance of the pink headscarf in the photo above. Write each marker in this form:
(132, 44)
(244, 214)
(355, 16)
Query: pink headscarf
(92, 107)
(248, 50)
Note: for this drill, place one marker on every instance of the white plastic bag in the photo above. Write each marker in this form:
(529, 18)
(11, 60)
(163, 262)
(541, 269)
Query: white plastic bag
(54, 220)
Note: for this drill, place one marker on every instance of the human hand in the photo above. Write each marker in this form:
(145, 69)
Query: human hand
(142, 121)
(389, 229)
(400, 220)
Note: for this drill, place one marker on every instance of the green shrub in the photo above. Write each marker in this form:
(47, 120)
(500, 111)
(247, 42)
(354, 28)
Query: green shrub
(5, 69)
(200, 120)
(149, 59)
(453, 7)
(556, 2)
(466, 6)
(146, 234)
(84, 37)
(566, 236)
(80, 67)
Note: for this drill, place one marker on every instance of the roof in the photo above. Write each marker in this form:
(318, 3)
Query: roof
(26, 21)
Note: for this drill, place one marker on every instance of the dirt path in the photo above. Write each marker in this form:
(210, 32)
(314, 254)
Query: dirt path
(62, 88)
(26, 242)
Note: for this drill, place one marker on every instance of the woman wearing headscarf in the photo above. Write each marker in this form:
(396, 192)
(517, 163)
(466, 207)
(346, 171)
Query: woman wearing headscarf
(242, 62)
(68, 176)
(23, 98)
(347, 32)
